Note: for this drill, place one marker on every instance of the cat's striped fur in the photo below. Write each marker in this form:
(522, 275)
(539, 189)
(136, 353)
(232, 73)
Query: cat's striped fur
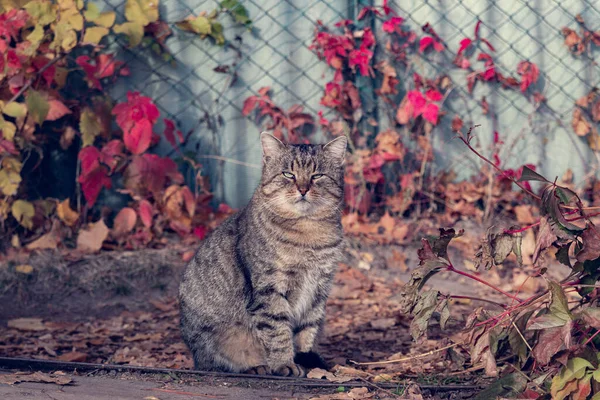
(253, 297)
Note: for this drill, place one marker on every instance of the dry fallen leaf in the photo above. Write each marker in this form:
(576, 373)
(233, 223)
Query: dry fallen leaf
(24, 269)
(27, 324)
(91, 239)
(73, 356)
(318, 373)
(11, 379)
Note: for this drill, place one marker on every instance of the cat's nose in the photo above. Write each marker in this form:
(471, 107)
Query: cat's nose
(303, 191)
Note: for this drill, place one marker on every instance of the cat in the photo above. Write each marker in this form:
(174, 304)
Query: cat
(253, 297)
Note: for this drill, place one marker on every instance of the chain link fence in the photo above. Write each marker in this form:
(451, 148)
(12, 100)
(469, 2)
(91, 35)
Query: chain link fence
(207, 104)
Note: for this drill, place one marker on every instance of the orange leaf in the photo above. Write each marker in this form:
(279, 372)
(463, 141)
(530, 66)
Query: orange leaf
(57, 110)
(124, 222)
(66, 214)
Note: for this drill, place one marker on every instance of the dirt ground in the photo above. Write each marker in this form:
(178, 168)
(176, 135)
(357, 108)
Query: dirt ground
(120, 308)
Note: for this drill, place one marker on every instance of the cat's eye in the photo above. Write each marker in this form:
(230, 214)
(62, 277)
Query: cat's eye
(317, 176)
(288, 175)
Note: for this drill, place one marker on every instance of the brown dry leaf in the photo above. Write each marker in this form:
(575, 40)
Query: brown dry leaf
(354, 394)
(66, 213)
(524, 214)
(67, 137)
(383, 323)
(40, 377)
(594, 140)
(580, 124)
(74, 356)
(398, 260)
(318, 373)
(91, 239)
(27, 324)
(46, 241)
(161, 306)
(404, 112)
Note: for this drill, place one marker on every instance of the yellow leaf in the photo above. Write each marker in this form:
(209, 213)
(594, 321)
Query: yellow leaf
(74, 18)
(24, 269)
(43, 12)
(142, 12)
(105, 19)
(37, 34)
(23, 212)
(15, 110)
(200, 25)
(15, 242)
(8, 5)
(94, 35)
(12, 164)
(9, 182)
(8, 130)
(133, 30)
(91, 239)
(3, 210)
(66, 213)
(90, 127)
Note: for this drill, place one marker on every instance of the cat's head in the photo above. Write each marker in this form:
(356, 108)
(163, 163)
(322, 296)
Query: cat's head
(302, 180)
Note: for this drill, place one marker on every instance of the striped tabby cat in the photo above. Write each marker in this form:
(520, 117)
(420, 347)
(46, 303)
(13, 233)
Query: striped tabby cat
(253, 297)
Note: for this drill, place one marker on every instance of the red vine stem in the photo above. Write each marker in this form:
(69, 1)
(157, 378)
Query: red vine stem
(500, 170)
(523, 229)
(591, 338)
(450, 267)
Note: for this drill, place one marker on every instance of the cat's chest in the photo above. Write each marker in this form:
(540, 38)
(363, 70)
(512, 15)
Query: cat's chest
(304, 285)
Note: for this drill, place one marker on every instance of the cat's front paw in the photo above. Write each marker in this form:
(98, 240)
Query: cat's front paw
(260, 370)
(290, 370)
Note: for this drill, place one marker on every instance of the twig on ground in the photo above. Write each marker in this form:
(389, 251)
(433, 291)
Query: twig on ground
(406, 358)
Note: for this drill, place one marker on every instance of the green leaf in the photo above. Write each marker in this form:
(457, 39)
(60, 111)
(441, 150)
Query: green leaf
(23, 212)
(575, 369)
(516, 342)
(93, 14)
(37, 105)
(217, 32)
(15, 110)
(142, 12)
(530, 175)
(559, 306)
(238, 11)
(546, 321)
(133, 30)
(507, 386)
(94, 35)
(89, 126)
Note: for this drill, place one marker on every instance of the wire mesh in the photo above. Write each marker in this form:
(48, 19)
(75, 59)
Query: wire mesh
(276, 54)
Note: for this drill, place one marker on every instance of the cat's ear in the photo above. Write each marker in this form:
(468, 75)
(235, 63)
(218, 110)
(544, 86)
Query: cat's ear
(271, 145)
(336, 149)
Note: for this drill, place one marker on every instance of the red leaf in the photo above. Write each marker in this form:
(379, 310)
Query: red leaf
(551, 341)
(431, 113)
(137, 140)
(368, 39)
(457, 124)
(145, 212)
(89, 156)
(138, 108)
(249, 105)
(529, 73)
(93, 182)
(360, 58)
(106, 65)
(477, 26)
(200, 232)
(386, 9)
(42, 62)
(169, 133)
(425, 43)
(391, 24)
(12, 61)
(363, 13)
(57, 110)
(464, 44)
(433, 95)
(418, 102)
(150, 172)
